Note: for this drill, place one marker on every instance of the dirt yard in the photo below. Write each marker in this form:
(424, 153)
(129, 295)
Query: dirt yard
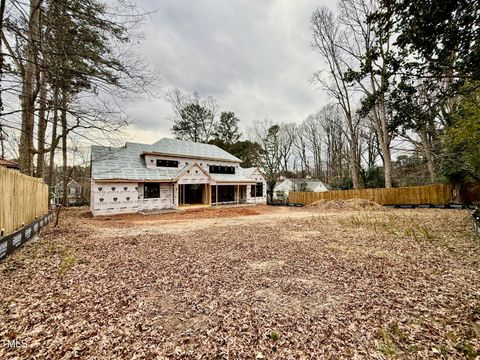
(263, 282)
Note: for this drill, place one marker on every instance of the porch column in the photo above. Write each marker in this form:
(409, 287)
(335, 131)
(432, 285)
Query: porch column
(216, 195)
(238, 193)
(178, 195)
(255, 193)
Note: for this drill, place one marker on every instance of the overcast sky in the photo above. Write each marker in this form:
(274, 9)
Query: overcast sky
(253, 56)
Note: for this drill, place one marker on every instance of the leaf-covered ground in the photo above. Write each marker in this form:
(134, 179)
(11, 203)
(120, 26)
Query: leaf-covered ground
(292, 284)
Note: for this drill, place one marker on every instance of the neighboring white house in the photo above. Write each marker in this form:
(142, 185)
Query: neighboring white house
(281, 189)
(168, 174)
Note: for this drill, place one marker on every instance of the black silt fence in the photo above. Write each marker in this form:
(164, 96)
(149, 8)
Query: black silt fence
(17, 239)
(476, 222)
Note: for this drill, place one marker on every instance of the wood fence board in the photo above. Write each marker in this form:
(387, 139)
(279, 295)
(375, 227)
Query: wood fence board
(438, 194)
(22, 199)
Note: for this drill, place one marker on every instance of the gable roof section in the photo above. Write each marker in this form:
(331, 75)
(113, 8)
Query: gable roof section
(126, 163)
(70, 182)
(189, 167)
(181, 148)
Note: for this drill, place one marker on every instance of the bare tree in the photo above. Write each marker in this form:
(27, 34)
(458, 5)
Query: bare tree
(286, 142)
(65, 60)
(29, 91)
(332, 122)
(267, 135)
(369, 147)
(359, 40)
(325, 135)
(312, 131)
(194, 116)
(326, 36)
(301, 149)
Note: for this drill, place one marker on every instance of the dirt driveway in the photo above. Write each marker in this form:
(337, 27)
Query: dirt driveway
(263, 282)
(184, 222)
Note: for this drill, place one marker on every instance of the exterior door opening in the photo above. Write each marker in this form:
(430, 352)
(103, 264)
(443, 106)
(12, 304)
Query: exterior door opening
(191, 194)
(226, 194)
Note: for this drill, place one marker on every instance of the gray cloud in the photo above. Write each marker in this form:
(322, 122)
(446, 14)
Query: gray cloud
(253, 56)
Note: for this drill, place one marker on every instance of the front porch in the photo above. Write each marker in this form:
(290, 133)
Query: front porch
(204, 195)
(232, 194)
(194, 195)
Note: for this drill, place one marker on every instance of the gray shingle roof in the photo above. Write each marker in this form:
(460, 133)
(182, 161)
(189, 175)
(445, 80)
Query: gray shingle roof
(126, 163)
(190, 148)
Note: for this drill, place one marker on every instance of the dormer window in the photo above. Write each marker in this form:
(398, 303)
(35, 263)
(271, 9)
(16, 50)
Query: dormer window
(214, 169)
(167, 163)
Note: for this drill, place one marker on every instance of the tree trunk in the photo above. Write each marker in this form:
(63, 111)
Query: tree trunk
(42, 127)
(387, 164)
(2, 13)
(355, 169)
(64, 148)
(427, 151)
(354, 157)
(385, 146)
(53, 144)
(384, 141)
(28, 95)
(383, 136)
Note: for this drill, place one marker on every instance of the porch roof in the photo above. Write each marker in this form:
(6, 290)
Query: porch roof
(241, 176)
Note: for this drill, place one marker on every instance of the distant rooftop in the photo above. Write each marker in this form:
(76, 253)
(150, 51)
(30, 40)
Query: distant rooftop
(9, 164)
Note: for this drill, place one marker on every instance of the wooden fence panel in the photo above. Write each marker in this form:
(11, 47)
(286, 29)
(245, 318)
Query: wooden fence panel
(438, 194)
(22, 199)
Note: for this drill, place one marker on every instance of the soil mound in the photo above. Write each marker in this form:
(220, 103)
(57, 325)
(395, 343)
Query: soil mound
(351, 204)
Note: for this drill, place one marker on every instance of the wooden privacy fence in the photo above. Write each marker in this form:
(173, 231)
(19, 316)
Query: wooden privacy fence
(22, 199)
(439, 194)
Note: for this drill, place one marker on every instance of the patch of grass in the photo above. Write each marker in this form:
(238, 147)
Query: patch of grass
(395, 330)
(467, 350)
(388, 223)
(274, 335)
(411, 233)
(387, 346)
(444, 351)
(388, 349)
(349, 221)
(426, 233)
(67, 263)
